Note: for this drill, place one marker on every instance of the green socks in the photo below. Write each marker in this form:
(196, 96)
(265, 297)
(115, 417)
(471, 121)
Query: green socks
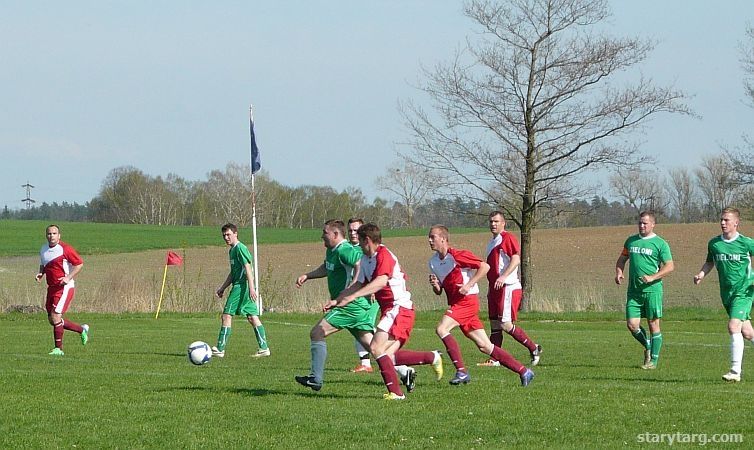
(641, 336)
(222, 338)
(655, 347)
(261, 337)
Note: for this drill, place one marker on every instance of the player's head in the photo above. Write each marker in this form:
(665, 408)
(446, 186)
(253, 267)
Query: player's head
(230, 233)
(647, 222)
(439, 238)
(497, 222)
(52, 232)
(729, 219)
(371, 231)
(333, 232)
(353, 227)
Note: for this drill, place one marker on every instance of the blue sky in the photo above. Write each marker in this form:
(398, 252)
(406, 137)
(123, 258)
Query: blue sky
(166, 86)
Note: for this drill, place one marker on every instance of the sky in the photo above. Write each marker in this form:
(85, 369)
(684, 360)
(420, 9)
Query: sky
(89, 86)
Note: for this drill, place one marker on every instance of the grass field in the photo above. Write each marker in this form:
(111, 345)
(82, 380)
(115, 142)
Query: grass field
(132, 387)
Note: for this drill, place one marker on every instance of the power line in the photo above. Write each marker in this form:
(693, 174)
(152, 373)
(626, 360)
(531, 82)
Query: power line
(28, 200)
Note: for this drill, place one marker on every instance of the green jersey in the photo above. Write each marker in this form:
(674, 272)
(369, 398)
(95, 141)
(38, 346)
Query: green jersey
(339, 262)
(239, 256)
(645, 257)
(733, 263)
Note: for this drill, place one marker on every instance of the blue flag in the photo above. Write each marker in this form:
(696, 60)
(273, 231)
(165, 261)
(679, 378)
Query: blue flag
(256, 162)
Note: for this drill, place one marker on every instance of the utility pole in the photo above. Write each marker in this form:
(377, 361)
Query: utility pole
(28, 200)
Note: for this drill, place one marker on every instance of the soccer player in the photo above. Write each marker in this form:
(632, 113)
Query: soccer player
(649, 261)
(59, 263)
(731, 254)
(457, 273)
(380, 274)
(365, 363)
(239, 301)
(357, 317)
(504, 293)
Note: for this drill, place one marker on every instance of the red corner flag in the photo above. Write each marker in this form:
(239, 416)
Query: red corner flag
(174, 259)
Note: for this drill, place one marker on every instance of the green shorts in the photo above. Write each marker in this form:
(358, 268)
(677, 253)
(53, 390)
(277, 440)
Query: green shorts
(738, 306)
(239, 302)
(644, 304)
(356, 317)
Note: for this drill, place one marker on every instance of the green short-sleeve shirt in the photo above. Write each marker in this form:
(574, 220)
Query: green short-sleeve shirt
(645, 257)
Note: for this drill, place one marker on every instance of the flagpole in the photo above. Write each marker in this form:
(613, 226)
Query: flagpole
(159, 304)
(254, 225)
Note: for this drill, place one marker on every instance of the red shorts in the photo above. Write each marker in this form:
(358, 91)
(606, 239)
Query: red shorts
(466, 313)
(503, 304)
(59, 298)
(398, 323)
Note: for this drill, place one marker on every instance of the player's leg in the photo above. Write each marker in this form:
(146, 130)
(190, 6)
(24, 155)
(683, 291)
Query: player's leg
(56, 320)
(655, 343)
(506, 359)
(511, 304)
(250, 310)
(318, 348)
(365, 362)
(56, 306)
(226, 322)
(735, 326)
(443, 330)
(634, 309)
(495, 314)
(383, 348)
(399, 324)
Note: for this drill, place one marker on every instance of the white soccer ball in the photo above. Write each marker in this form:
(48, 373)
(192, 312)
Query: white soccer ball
(199, 353)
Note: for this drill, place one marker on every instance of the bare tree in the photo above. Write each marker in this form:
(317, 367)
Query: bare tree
(411, 183)
(531, 105)
(718, 185)
(740, 157)
(682, 194)
(640, 189)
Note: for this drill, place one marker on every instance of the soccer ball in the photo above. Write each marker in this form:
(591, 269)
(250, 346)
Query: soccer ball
(199, 353)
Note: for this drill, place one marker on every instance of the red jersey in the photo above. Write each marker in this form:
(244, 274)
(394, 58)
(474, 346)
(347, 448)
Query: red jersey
(384, 262)
(455, 270)
(500, 250)
(58, 261)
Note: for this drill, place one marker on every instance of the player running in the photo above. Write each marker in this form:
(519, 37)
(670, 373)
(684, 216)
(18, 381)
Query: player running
(380, 274)
(457, 273)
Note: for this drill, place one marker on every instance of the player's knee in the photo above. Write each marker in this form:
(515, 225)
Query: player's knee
(317, 333)
(507, 326)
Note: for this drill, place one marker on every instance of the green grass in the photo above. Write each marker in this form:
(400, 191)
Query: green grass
(25, 237)
(133, 387)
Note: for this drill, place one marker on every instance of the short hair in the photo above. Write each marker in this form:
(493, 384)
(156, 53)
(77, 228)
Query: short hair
(50, 226)
(648, 213)
(337, 225)
(231, 227)
(355, 220)
(731, 210)
(496, 213)
(371, 231)
(443, 230)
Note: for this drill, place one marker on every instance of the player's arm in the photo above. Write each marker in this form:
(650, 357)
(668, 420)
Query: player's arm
(250, 278)
(666, 268)
(360, 289)
(356, 268)
(703, 271)
(219, 292)
(480, 273)
(620, 265)
(74, 271)
(513, 266)
(40, 274)
(319, 272)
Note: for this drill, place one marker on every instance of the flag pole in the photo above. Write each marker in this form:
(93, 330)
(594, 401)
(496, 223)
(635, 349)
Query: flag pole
(162, 290)
(254, 215)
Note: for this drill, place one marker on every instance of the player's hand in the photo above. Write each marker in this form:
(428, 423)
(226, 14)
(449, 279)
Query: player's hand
(330, 304)
(434, 281)
(63, 280)
(619, 278)
(301, 280)
(39, 277)
(463, 289)
(647, 279)
(219, 292)
(252, 293)
(499, 283)
(698, 277)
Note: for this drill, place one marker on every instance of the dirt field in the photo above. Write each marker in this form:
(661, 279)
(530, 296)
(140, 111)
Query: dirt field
(573, 270)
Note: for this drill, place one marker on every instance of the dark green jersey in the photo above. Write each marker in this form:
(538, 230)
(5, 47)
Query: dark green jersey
(733, 263)
(339, 262)
(239, 256)
(645, 257)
